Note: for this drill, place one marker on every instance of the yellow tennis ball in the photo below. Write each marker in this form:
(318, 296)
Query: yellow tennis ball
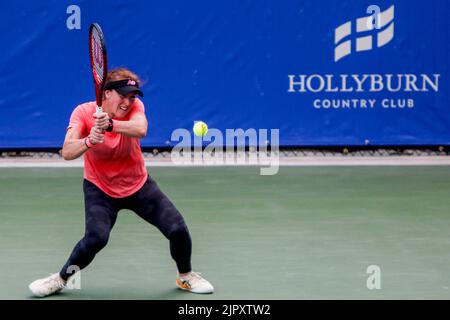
(200, 128)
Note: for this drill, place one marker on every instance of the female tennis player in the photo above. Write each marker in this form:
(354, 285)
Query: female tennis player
(115, 178)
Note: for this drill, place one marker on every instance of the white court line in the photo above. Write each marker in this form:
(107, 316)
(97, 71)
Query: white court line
(283, 161)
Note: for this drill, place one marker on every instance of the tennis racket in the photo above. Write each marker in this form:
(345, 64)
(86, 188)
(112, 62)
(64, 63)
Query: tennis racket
(99, 62)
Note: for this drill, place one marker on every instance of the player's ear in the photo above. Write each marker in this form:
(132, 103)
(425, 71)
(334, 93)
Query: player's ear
(106, 94)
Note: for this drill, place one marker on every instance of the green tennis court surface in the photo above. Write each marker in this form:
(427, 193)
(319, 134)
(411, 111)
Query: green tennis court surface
(305, 233)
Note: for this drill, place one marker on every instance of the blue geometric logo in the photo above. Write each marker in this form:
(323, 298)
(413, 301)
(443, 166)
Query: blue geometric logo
(366, 33)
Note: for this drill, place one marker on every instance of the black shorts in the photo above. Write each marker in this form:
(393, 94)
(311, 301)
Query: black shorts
(149, 202)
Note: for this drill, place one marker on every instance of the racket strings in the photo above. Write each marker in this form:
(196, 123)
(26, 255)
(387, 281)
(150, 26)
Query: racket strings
(97, 56)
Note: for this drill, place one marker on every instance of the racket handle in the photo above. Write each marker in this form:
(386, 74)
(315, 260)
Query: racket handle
(98, 111)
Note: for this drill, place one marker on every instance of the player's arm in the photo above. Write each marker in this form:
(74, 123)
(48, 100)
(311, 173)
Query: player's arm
(74, 145)
(136, 127)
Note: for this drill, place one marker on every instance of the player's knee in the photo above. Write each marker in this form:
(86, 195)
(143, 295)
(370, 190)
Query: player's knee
(95, 241)
(179, 231)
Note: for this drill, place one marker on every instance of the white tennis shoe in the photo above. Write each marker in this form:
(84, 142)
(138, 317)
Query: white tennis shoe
(47, 286)
(194, 283)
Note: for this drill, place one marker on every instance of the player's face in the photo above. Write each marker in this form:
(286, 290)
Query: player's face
(120, 105)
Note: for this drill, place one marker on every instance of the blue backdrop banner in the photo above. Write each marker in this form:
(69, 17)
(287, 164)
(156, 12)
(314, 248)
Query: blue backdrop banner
(335, 72)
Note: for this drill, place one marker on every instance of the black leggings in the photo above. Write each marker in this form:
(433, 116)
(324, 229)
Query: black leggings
(150, 203)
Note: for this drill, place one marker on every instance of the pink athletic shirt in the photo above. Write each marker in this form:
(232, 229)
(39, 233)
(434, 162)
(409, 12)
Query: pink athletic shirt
(116, 166)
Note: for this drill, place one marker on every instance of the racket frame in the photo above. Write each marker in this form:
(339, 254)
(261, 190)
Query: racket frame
(100, 53)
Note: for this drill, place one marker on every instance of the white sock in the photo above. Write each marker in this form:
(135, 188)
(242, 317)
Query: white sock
(185, 276)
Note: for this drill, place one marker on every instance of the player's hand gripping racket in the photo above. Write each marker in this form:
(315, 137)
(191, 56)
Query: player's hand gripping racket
(99, 63)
